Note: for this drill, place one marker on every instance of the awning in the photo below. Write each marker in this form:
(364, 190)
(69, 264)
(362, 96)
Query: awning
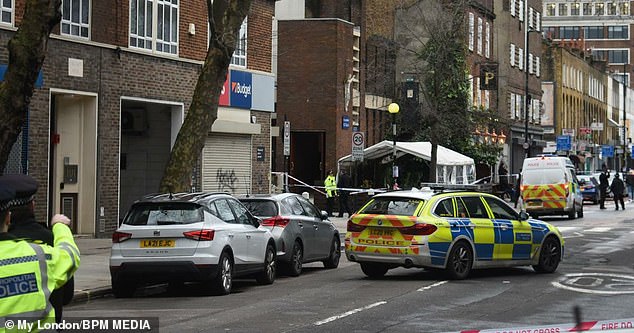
(613, 123)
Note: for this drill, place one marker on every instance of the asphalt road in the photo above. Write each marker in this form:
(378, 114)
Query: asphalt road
(597, 275)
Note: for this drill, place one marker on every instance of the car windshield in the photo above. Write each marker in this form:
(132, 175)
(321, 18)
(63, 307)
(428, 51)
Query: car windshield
(161, 213)
(261, 208)
(543, 177)
(392, 206)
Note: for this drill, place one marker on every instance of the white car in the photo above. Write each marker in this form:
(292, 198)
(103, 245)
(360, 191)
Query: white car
(201, 237)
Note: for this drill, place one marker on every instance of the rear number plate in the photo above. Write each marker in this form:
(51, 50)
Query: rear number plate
(381, 232)
(158, 243)
(535, 204)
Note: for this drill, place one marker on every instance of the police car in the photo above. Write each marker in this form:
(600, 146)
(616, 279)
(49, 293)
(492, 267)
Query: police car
(454, 230)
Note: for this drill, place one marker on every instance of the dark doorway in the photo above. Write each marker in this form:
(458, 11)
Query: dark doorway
(307, 157)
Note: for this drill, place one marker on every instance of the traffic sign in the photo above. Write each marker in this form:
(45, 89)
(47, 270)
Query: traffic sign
(287, 138)
(358, 144)
(607, 151)
(596, 126)
(564, 142)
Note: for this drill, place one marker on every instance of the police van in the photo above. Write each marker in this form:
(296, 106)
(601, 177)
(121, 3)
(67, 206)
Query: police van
(549, 186)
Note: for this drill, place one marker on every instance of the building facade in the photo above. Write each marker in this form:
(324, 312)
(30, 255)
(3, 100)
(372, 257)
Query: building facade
(116, 85)
(518, 50)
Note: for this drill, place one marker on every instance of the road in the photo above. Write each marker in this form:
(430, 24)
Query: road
(597, 275)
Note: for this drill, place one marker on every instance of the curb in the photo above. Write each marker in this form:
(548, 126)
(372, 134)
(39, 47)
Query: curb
(83, 296)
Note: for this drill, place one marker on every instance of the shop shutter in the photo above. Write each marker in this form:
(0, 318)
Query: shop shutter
(226, 164)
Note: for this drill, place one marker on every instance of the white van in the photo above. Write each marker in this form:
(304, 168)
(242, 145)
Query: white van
(549, 186)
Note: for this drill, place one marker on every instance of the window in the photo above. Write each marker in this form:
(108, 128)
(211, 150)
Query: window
(239, 57)
(550, 33)
(224, 211)
(512, 55)
(521, 11)
(618, 32)
(530, 63)
(569, 32)
(471, 31)
(240, 211)
(444, 208)
(624, 8)
(261, 208)
(75, 17)
(550, 9)
(475, 208)
(164, 213)
(487, 44)
(593, 32)
(6, 12)
(599, 9)
(392, 206)
(618, 56)
(574, 9)
(501, 210)
(520, 57)
(310, 209)
(512, 7)
(587, 9)
(612, 8)
(537, 66)
(563, 9)
(294, 206)
(461, 210)
(479, 35)
(154, 25)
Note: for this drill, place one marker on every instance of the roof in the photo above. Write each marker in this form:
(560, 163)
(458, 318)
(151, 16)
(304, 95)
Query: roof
(419, 149)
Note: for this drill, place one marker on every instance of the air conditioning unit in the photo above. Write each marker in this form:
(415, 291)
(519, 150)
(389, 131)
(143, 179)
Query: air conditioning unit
(134, 121)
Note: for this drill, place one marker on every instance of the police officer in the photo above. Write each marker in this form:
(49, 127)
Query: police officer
(24, 226)
(29, 271)
(330, 185)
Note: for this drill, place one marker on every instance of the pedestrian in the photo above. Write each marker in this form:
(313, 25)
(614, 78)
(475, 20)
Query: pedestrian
(603, 186)
(618, 188)
(330, 185)
(343, 183)
(30, 271)
(629, 179)
(24, 226)
(518, 192)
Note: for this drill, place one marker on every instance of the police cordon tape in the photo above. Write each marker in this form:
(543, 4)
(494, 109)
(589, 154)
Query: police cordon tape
(616, 325)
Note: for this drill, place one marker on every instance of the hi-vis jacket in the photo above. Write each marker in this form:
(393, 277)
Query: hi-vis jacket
(330, 185)
(29, 273)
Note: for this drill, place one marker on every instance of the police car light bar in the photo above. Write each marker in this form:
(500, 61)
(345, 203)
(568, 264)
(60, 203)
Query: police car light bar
(441, 187)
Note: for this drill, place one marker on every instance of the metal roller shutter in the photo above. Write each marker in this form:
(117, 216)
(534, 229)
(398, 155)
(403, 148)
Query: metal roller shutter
(227, 164)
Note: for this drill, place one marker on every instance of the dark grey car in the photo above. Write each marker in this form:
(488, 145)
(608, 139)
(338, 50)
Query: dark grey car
(302, 233)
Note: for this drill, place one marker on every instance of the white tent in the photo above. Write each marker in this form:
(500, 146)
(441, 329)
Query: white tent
(452, 167)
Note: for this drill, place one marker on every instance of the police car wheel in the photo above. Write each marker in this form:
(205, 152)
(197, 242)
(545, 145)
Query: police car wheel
(460, 261)
(374, 270)
(549, 256)
(335, 254)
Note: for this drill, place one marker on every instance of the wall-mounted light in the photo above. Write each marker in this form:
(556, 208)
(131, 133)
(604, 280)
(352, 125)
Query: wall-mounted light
(192, 29)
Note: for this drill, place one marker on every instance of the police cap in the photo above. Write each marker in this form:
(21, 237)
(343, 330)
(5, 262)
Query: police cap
(23, 185)
(6, 195)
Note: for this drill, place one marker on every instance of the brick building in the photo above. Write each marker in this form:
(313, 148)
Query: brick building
(115, 89)
(329, 52)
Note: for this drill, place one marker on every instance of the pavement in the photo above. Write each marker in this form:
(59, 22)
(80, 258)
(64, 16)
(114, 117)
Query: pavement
(92, 279)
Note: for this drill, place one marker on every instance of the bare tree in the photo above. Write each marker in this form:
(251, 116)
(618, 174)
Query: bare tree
(27, 50)
(225, 18)
(432, 50)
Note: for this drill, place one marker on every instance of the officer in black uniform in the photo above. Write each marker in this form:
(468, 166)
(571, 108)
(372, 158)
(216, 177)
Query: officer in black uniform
(24, 226)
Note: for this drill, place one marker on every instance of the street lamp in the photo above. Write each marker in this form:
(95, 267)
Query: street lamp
(393, 108)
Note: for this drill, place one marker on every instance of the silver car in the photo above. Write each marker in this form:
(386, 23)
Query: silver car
(200, 237)
(302, 233)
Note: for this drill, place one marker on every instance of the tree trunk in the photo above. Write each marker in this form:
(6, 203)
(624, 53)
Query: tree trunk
(225, 19)
(27, 50)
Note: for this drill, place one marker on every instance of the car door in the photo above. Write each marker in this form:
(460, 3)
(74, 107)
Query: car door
(323, 229)
(513, 238)
(480, 227)
(304, 224)
(236, 233)
(256, 237)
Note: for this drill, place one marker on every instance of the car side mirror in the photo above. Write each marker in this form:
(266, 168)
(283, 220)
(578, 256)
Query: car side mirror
(256, 222)
(524, 216)
(324, 215)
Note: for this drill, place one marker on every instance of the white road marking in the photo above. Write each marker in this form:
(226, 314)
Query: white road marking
(351, 312)
(432, 285)
(598, 229)
(564, 229)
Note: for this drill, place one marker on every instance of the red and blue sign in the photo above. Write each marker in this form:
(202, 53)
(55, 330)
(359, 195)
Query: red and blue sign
(241, 89)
